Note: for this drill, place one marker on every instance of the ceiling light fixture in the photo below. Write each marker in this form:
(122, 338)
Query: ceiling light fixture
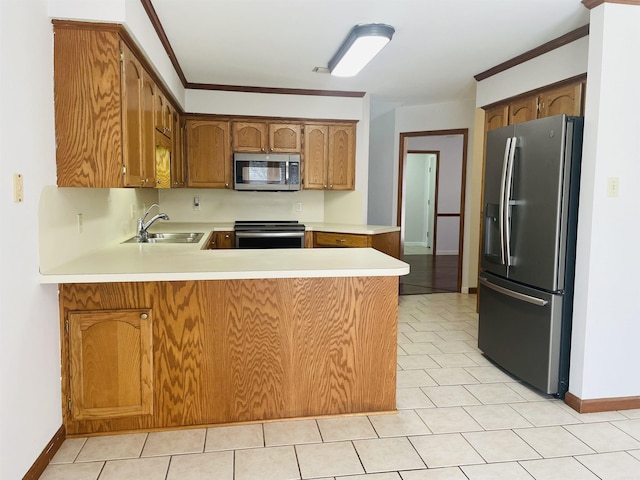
(361, 45)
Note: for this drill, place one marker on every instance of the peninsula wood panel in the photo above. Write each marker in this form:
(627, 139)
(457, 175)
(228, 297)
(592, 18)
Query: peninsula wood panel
(242, 350)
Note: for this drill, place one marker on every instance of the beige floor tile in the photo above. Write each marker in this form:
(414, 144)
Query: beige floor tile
(612, 466)
(500, 446)
(203, 466)
(427, 326)
(592, 417)
(445, 450)
(448, 360)
(490, 374)
(73, 471)
(113, 447)
(451, 376)
(496, 471)
(553, 442)
(234, 437)
(346, 428)
(544, 414)
(373, 476)
(174, 442)
(630, 427)
(423, 337)
(414, 378)
(328, 459)
(450, 473)
(565, 468)
(450, 396)
(403, 339)
(403, 423)
(527, 392)
(412, 398)
(455, 335)
(603, 437)
(497, 417)
(635, 413)
(139, 468)
(404, 325)
(457, 346)
(387, 454)
(68, 451)
(480, 359)
(635, 453)
(492, 393)
(448, 420)
(291, 432)
(270, 463)
(421, 348)
(415, 362)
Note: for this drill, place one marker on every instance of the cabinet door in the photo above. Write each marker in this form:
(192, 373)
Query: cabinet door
(285, 138)
(221, 240)
(496, 117)
(567, 99)
(110, 363)
(162, 114)
(149, 90)
(208, 154)
(342, 145)
(316, 155)
(523, 110)
(132, 80)
(163, 161)
(249, 136)
(341, 240)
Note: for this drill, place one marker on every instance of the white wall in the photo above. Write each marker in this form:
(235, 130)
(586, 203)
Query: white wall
(30, 403)
(606, 331)
(416, 197)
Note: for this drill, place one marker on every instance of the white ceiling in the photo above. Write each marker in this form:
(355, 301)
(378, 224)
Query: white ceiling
(438, 46)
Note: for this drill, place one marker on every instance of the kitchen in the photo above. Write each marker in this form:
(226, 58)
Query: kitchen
(39, 171)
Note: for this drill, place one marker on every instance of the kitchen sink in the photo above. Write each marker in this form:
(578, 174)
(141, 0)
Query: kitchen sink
(168, 238)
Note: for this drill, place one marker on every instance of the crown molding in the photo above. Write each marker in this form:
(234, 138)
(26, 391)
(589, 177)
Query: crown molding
(536, 52)
(594, 3)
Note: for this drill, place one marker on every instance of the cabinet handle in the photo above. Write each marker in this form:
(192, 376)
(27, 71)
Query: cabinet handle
(226, 236)
(144, 316)
(330, 186)
(226, 185)
(341, 240)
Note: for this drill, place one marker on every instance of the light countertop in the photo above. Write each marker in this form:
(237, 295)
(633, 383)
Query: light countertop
(133, 262)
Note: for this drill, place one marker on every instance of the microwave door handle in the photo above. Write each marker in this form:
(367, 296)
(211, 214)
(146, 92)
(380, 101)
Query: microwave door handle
(286, 173)
(503, 181)
(507, 201)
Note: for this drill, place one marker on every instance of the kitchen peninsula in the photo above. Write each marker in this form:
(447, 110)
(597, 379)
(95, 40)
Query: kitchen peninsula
(162, 336)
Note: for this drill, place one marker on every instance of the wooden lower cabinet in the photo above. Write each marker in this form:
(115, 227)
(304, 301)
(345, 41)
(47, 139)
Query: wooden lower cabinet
(229, 351)
(221, 240)
(388, 243)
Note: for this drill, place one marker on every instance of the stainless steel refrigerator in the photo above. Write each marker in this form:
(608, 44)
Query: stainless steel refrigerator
(532, 175)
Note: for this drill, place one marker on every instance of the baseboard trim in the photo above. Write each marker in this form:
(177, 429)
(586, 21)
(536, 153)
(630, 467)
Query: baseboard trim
(473, 290)
(601, 404)
(47, 454)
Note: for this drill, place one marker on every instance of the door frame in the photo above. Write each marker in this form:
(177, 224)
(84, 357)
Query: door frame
(404, 136)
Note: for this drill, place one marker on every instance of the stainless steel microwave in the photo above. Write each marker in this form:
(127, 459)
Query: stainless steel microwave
(266, 171)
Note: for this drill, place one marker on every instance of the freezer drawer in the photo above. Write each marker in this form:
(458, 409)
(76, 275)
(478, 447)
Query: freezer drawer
(520, 329)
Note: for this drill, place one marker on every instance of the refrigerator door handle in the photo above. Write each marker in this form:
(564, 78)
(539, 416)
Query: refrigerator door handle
(519, 296)
(503, 182)
(507, 199)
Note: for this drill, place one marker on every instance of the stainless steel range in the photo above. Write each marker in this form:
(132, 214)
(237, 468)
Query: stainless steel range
(269, 234)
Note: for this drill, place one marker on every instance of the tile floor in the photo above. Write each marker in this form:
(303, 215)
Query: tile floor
(459, 418)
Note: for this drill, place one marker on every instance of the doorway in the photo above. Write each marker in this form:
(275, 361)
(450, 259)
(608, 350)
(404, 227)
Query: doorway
(432, 179)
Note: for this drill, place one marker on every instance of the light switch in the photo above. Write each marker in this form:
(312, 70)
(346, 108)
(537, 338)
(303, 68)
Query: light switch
(18, 188)
(612, 187)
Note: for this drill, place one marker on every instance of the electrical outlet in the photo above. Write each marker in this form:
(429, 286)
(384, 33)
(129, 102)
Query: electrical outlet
(613, 186)
(18, 188)
(196, 203)
(80, 223)
(298, 206)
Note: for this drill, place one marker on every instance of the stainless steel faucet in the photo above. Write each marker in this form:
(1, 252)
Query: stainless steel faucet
(143, 234)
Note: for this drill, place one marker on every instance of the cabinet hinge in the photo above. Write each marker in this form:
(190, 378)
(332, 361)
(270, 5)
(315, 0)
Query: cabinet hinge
(69, 403)
(66, 325)
(122, 56)
(124, 169)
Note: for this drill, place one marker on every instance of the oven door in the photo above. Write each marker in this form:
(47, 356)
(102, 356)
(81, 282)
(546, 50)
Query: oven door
(269, 239)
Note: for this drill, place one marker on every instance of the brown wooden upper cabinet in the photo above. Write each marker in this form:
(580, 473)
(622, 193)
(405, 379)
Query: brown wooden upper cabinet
(329, 156)
(546, 102)
(178, 173)
(107, 109)
(208, 146)
(266, 137)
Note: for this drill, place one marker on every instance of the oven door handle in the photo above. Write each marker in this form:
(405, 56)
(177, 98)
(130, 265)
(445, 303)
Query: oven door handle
(269, 234)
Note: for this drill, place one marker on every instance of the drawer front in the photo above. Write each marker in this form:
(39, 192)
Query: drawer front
(323, 239)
